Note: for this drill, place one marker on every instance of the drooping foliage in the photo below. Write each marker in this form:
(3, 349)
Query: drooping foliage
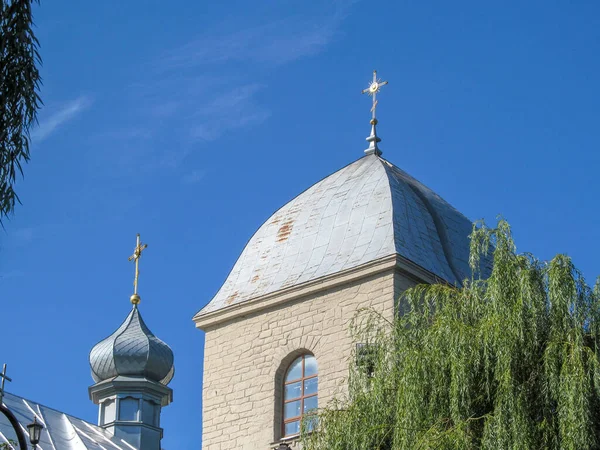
(505, 362)
(19, 98)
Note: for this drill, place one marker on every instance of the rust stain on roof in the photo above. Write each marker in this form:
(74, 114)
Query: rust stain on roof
(254, 279)
(231, 298)
(285, 230)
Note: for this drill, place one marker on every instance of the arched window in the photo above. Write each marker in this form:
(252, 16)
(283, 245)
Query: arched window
(299, 393)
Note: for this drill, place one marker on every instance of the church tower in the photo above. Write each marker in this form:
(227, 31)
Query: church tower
(277, 332)
(131, 369)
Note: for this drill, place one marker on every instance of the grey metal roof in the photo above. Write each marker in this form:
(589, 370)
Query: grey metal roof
(61, 431)
(132, 350)
(367, 210)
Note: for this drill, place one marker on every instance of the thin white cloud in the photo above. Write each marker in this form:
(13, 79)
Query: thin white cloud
(210, 86)
(275, 43)
(214, 129)
(58, 118)
(228, 111)
(271, 42)
(125, 134)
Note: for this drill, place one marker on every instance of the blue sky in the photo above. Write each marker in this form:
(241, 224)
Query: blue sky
(192, 122)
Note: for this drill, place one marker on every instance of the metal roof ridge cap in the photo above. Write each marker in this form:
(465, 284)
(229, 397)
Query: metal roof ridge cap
(416, 187)
(128, 319)
(143, 325)
(64, 416)
(47, 428)
(437, 222)
(385, 164)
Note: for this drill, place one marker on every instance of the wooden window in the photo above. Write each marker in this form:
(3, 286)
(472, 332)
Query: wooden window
(300, 393)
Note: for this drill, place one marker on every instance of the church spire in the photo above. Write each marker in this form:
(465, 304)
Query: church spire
(372, 90)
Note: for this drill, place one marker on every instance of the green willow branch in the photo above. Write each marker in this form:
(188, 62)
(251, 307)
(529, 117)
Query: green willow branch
(506, 361)
(19, 98)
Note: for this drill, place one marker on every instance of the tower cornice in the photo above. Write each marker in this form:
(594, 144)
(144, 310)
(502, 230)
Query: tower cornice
(389, 263)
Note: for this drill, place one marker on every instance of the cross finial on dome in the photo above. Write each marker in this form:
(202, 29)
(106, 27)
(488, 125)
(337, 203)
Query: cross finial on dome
(137, 254)
(374, 87)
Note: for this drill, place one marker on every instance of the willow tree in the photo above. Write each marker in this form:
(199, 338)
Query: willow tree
(19, 98)
(507, 361)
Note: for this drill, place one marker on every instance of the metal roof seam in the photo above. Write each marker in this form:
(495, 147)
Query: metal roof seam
(50, 438)
(128, 320)
(6, 441)
(87, 424)
(61, 431)
(146, 365)
(78, 430)
(128, 444)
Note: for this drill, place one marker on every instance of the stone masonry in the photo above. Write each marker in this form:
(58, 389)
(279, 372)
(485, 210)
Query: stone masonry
(246, 357)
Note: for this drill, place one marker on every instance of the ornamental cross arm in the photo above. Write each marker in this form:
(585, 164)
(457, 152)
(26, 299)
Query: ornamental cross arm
(373, 89)
(137, 252)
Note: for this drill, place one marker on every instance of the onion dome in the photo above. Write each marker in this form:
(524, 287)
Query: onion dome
(132, 351)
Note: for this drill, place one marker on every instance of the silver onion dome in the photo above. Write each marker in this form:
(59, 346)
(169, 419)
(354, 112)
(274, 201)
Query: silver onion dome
(132, 351)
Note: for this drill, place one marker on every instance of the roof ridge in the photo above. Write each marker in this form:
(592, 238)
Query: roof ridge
(128, 319)
(419, 182)
(74, 429)
(45, 421)
(435, 217)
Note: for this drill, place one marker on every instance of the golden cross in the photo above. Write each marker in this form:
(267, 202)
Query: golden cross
(137, 254)
(372, 90)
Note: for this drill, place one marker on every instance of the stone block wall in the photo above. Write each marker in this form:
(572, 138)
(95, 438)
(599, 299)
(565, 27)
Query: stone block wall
(245, 358)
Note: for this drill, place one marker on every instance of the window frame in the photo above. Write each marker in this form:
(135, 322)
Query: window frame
(302, 380)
